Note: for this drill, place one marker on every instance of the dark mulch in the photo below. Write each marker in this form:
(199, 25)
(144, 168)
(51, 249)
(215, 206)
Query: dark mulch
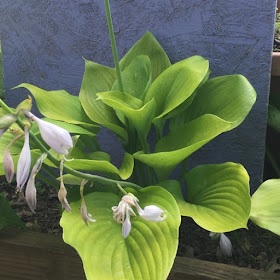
(254, 248)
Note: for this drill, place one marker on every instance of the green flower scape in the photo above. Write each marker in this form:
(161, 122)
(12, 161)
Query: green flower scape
(143, 92)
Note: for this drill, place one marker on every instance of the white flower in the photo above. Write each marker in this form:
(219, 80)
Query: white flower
(123, 211)
(225, 245)
(151, 213)
(55, 136)
(24, 162)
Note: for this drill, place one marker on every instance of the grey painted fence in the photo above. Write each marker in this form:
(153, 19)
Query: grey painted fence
(43, 43)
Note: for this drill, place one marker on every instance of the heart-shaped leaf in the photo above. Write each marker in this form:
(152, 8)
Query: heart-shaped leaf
(99, 78)
(265, 211)
(147, 45)
(218, 197)
(147, 253)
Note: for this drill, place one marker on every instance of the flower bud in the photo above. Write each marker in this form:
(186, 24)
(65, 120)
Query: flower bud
(24, 162)
(55, 136)
(225, 245)
(25, 105)
(8, 165)
(7, 120)
(30, 192)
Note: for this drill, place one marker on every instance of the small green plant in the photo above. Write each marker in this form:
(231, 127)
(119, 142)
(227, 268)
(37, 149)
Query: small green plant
(126, 226)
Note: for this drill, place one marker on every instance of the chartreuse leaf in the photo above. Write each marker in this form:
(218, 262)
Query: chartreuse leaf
(99, 78)
(58, 105)
(137, 77)
(140, 115)
(104, 166)
(218, 196)
(182, 142)
(147, 45)
(177, 83)
(228, 97)
(265, 211)
(147, 253)
(7, 215)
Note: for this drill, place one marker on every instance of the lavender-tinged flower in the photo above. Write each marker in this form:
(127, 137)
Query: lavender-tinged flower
(8, 162)
(8, 165)
(225, 245)
(24, 162)
(30, 192)
(84, 212)
(62, 197)
(56, 137)
(122, 212)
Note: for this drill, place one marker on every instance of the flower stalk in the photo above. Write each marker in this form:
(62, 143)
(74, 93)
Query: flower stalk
(113, 44)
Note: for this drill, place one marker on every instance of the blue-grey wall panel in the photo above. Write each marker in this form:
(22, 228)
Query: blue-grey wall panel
(43, 43)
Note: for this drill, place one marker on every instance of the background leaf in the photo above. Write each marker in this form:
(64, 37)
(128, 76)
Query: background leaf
(148, 45)
(265, 211)
(181, 143)
(137, 77)
(7, 215)
(228, 97)
(147, 253)
(98, 78)
(58, 105)
(177, 83)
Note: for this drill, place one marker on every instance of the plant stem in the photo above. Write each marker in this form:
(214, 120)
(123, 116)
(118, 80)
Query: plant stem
(90, 177)
(113, 43)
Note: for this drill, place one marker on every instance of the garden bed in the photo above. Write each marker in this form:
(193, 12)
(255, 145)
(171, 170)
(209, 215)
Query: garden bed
(39, 252)
(27, 255)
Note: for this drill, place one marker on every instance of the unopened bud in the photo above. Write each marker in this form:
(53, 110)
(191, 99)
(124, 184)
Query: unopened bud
(7, 120)
(25, 105)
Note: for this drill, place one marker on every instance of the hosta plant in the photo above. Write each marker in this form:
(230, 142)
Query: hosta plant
(123, 221)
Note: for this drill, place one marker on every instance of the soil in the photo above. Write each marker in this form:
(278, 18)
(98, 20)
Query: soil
(254, 248)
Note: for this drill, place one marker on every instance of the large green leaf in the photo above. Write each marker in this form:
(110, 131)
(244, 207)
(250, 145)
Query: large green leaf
(7, 215)
(140, 115)
(265, 211)
(177, 83)
(228, 97)
(147, 45)
(104, 166)
(99, 78)
(218, 197)
(147, 253)
(182, 142)
(58, 105)
(137, 77)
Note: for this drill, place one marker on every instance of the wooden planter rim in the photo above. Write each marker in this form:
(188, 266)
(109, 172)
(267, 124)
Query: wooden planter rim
(26, 255)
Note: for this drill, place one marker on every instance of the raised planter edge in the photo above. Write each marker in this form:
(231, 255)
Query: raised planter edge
(26, 255)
